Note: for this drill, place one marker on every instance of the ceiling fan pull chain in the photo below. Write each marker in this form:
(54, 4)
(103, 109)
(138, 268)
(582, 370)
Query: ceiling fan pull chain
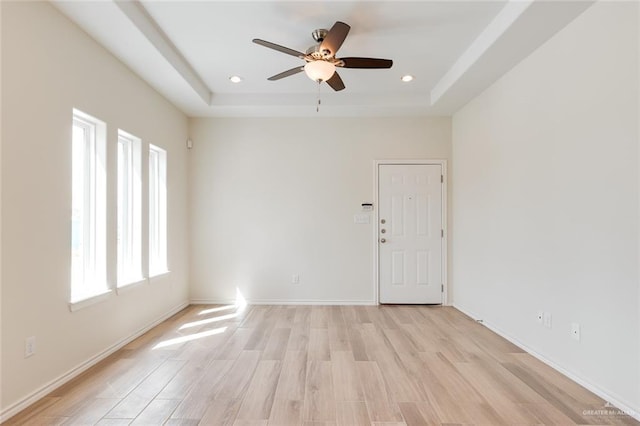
(318, 106)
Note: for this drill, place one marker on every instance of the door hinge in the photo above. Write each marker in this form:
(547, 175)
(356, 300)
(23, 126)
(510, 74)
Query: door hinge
(442, 288)
(442, 233)
(441, 178)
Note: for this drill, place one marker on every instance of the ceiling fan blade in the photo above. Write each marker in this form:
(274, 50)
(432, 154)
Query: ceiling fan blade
(334, 38)
(287, 73)
(335, 82)
(366, 63)
(279, 48)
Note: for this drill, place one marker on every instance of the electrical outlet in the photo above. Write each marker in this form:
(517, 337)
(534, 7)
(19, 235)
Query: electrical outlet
(295, 279)
(547, 319)
(29, 346)
(540, 317)
(575, 331)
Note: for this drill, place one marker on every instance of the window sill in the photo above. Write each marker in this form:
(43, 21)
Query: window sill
(124, 288)
(76, 305)
(158, 274)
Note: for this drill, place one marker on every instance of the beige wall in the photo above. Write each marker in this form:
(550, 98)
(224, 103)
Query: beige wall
(276, 197)
(545, 205)
(49, 66)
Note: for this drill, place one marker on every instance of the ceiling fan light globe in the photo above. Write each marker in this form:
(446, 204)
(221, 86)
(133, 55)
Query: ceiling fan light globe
(319, 70)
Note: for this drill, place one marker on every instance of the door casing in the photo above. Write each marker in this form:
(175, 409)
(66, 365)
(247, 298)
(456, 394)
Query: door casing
(376, 239)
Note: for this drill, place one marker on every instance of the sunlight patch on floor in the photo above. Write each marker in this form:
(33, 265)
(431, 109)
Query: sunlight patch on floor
(218, 309)
(190, 337)
(208, 321)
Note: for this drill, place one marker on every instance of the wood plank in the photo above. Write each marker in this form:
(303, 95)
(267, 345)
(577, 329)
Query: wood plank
(547, 414)
(554, 396)
(352, 413)
(345, 377)
(418, 413)
(128, 407)
(285, 412)
(299, 337)
(256, 404)
(451, 379)
(221, 412)
(559, 381)
(202, 351)
(94, 411)
(498, 397)
(183, 381)
(401, 341)
(319, 402)
(122, 384)
(250, 423)
(208, 382)
(234, 345)
(114, 422)
(45, 421)
(277, 344)
(236, 381)
(182, 422)
(319, 344)
(138, 399)
(293, 376)
(339, 337)
(379, 405)
(192, 407)
(79, 394)
(319, 317)
(157, 412)
(400, 385)
(358, 347)
(260, 336)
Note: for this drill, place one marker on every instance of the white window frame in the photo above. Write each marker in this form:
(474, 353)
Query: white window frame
(157, 211)
(89, 208)
(129, 201)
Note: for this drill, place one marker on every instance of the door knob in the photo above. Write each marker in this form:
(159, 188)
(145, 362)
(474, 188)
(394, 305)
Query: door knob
(382, 240)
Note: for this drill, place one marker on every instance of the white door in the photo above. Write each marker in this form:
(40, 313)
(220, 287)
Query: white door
(409, 233)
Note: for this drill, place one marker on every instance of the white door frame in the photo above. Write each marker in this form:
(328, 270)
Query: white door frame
(376, 276)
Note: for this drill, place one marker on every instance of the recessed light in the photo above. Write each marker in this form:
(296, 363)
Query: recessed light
(406, 78)
(235, 79)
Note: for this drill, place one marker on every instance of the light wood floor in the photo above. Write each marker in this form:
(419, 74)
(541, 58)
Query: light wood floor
(303, 365)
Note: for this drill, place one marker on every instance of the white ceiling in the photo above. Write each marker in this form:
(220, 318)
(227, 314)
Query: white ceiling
(188, 50)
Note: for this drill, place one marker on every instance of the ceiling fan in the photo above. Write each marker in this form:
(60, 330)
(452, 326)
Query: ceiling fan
(321, 60)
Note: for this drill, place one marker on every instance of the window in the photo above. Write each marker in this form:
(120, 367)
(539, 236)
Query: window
(157, 210)
(88, 207)
(129, 232)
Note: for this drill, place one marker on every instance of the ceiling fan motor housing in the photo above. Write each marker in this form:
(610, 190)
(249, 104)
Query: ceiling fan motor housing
(314, 51)
(319, 35)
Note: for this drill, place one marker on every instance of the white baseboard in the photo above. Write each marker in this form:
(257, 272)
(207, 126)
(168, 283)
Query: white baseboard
(212, 302)
(285, 302)
(40, 393)
(607, 396)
